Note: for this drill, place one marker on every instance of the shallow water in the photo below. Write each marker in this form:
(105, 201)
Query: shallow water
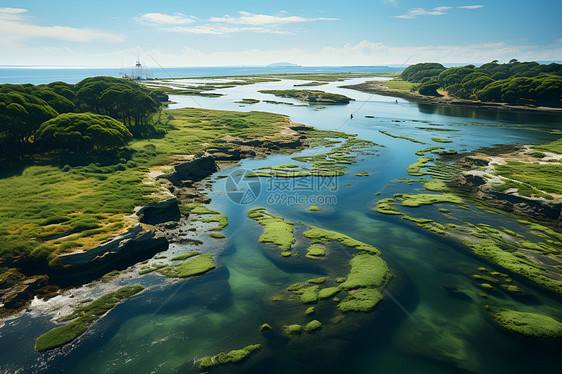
(418, 328)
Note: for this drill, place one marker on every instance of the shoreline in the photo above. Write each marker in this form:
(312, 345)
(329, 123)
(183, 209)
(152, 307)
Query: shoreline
(155, 224)
(379, 89)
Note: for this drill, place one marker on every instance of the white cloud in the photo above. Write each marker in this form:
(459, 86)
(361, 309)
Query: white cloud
(471, 6)
(363, 53)
(12, 14)
(222, 30)
(415, 12)
(164, 19)
(393, 2)
(14, 29)
(244, 22)
(247, 18)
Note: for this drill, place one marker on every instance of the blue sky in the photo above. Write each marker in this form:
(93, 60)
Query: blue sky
(311, 32)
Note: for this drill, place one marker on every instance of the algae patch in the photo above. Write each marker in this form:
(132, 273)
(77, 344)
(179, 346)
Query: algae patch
(83, 317)
(277, 230)
(529, 324)
(231, 357)
(195, 266)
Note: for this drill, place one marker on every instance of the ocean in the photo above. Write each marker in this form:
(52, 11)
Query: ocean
(43, 75)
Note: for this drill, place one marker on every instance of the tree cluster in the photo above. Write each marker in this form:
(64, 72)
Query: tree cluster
(514, 82)
(96, 113)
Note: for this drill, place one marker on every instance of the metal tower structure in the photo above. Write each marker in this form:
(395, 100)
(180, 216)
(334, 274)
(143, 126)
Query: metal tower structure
(137, 73)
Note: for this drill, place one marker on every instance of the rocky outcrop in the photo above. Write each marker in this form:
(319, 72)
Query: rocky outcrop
(194, 171)
(17, 295)
(137, 244)
(229, 153)
(477, 187)
(160, 212)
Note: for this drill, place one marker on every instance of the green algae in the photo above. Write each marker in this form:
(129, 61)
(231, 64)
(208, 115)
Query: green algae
(293, 329)
(366, 271)
(194, 266)
(315, 251)
(247, 101)
(197, 208)
(330, 164)
(487, 287)
(436, 185)
(484, 278)
(310, 310)
(439, 140)
(221, 219)
(401, 137)
(415, 168)
(185, 256)
(312, 326)
(417, 200)
(529, 324)
(265, 327)
(217, 235)
(308, 295)
(417, 220)
(310, 96)
(151, 268)
(493, 252)
(319, 280)
(277, 230)
(83, 317)
(326, 293)
(387, 206)
(361, 300)
(231, 357)
(512, 289)
(362, 174)
(422, 152)
(318, 235)
(314, 208)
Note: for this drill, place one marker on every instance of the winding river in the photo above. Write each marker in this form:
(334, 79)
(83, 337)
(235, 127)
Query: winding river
(418, 328)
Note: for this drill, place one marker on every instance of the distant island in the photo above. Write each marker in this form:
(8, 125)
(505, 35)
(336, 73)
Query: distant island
(311, 96)
(283, 65)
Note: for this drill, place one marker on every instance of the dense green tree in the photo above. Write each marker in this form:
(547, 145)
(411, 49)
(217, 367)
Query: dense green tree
(415, 73)
(429, 89)
(82, 132)
(514, 82)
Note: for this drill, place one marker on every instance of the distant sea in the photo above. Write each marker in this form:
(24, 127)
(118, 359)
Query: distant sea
(42, 75)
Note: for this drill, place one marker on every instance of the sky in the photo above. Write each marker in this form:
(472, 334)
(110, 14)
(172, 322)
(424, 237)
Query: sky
(105, 33)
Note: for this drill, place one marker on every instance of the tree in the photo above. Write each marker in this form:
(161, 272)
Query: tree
(429, 89)
(82, 132)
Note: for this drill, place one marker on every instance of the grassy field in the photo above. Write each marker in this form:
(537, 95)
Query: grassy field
(67, 202)
(397, 84)
(545, 177)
